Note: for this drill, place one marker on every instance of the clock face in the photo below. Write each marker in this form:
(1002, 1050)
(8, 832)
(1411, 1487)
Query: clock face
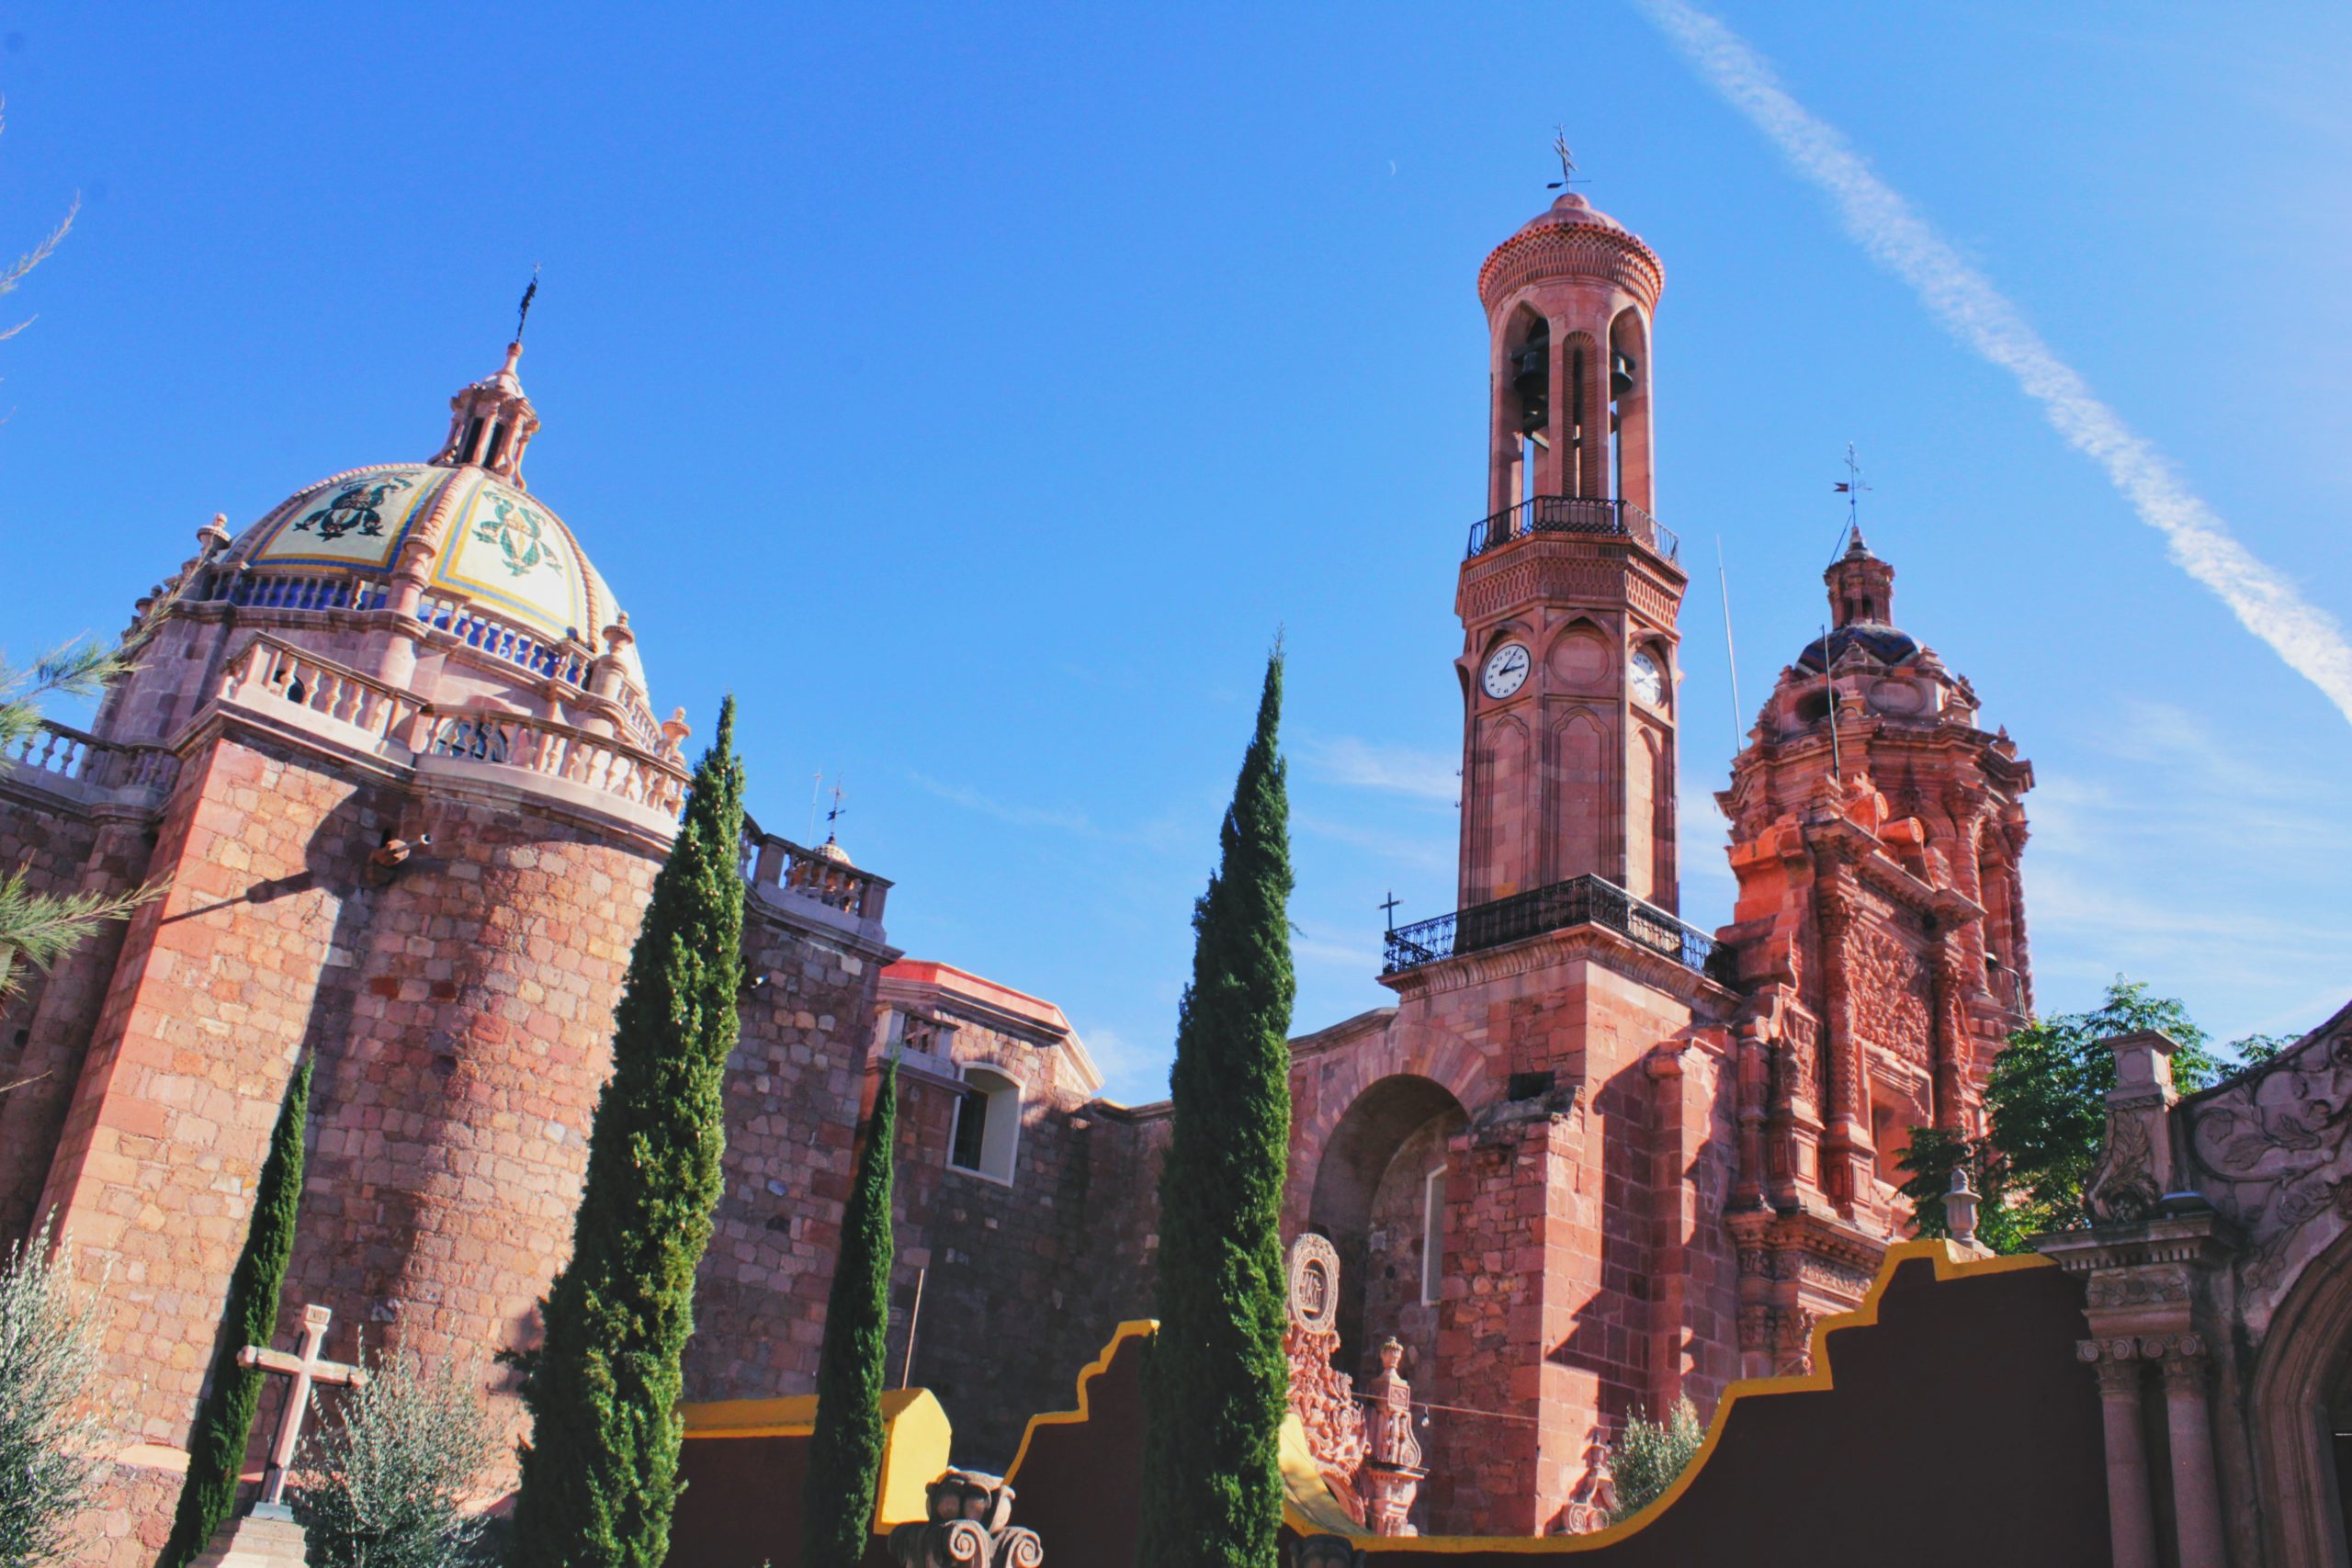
(1506, 671)
(1649, 681)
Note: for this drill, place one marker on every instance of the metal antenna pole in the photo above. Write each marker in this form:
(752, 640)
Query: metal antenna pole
(1837, 768)
(914, 1316)
(1731, 654)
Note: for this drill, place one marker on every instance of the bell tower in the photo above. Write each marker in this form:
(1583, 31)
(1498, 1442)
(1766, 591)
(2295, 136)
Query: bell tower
(1569, 588)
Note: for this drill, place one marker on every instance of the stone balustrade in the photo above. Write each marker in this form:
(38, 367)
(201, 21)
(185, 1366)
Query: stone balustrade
(269, 669)
(771, 861)
(565, 659)
(60, 754)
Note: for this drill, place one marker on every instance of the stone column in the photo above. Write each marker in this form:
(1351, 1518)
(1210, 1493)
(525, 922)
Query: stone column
(2130, 1518)
(1948, 970)
(2196, 1494)
(1846, 1145)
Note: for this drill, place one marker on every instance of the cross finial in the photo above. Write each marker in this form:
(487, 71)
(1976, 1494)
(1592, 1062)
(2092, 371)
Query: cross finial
(834, 815)
(1567, 159)
(1390, 906)
(1851, 488)
(523, 314)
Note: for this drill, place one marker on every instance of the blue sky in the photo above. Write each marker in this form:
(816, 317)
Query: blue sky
(974, 397)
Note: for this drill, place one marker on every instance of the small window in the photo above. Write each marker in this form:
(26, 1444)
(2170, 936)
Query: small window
(1433, 1236)
(987, 1125)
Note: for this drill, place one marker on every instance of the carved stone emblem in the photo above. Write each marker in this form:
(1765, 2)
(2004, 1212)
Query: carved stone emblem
(1315, 1284)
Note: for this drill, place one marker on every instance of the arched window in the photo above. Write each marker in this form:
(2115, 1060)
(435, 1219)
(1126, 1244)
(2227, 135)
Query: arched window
(987, 1125)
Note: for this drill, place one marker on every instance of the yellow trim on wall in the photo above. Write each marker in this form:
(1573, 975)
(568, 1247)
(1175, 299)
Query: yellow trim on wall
(1948, 1267)
(1137, 1328)
(915, 1440)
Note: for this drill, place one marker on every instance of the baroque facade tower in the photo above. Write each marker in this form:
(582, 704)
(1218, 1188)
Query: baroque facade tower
(1595, 1159)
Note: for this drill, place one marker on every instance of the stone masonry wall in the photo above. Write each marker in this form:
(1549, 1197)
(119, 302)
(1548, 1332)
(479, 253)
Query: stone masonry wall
(45, 1024)
(1011, 1307)
(793, 1096)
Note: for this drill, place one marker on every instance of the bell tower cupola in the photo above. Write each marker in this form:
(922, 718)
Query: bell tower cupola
(1861, 586)
(1570, 588)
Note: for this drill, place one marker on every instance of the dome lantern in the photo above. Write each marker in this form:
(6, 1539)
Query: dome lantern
(490, 423)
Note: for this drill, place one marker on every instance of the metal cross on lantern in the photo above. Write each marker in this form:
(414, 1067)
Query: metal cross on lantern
(305, 1368)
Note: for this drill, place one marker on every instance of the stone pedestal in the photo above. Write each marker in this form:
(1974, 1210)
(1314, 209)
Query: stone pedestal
(266, 1538)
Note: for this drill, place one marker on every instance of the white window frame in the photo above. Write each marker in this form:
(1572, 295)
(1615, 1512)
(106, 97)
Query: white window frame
(1433, 1236)
(1001, 1134)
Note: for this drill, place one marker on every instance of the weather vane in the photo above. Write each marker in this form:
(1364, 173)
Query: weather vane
(834, 815)
(1567, 159)
(1851, 487)
(523, 314)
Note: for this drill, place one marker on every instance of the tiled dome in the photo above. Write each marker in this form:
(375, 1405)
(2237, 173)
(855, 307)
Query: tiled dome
(495, 546)
(498, 552)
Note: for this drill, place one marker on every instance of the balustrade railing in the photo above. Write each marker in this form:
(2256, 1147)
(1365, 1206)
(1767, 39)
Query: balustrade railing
(64, 752)
(564, 660)
(1573, 514)
(1582, 900)
(288, 590)
(770, 860)
(268, 669)
(563, 657)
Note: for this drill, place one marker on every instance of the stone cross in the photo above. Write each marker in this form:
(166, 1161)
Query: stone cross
(305, 1368)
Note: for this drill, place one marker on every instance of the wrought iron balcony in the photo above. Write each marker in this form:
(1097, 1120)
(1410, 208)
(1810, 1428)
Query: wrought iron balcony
(1574, 514)
(1581, 900)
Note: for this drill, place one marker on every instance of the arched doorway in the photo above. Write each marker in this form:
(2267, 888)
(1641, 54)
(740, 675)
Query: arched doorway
(2301, 1409)
(1380, 1197)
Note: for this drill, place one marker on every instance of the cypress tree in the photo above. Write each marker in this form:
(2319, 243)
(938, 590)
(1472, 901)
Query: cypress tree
(600, 1473)
(846, 1451)
(224, 1422)
(1216, 1379)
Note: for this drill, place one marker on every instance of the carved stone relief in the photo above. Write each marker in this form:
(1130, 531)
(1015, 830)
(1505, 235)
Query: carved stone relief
(1890, 996)
(2276, 1161)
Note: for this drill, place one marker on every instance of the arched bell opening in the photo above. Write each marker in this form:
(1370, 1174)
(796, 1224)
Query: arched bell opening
(1380, 1198)
(1527, 404)
(1629, 409)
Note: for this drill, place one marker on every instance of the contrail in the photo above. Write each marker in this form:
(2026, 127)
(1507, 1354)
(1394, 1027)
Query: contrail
(2263, 600)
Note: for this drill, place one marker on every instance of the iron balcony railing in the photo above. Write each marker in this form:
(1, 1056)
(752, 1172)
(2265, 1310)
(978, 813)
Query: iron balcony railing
(1581, 900)
(1574, 514)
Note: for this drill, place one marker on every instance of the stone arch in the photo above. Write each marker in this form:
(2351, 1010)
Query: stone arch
(1378, 1198)
(2302, 1392)
(1629, 346)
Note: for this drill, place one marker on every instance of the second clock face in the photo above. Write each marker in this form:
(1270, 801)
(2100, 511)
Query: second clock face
(1505, 669)
(1649, 681)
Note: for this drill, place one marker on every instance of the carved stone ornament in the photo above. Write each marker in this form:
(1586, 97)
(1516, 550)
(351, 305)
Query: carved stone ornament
(969, 1525)
(1392, 1473)
(2276, 1147)
(2123, 1188)
(1314, 1271)
(1323, 1397)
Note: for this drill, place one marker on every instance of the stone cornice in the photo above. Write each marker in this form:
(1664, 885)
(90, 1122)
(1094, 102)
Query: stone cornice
(1545, 250)
(1599, 570)
(1847, 844)
(2207, 1240)
(1588, 942)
